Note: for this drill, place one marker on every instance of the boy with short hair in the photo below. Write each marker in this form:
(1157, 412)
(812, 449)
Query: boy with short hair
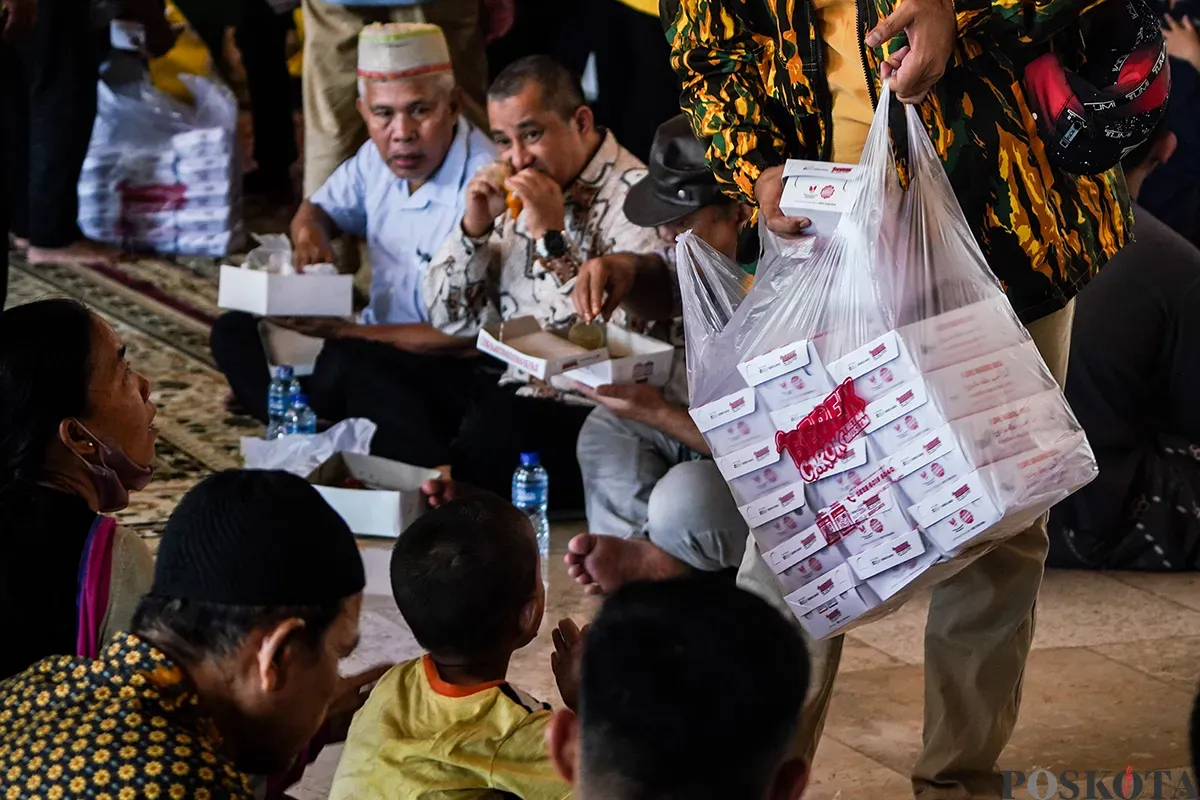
(691, 688)
(467, 578)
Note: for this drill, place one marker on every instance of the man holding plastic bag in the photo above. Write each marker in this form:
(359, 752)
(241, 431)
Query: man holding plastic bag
(1046, 211)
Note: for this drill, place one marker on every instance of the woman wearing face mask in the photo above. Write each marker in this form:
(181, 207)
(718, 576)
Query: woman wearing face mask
(76, 437)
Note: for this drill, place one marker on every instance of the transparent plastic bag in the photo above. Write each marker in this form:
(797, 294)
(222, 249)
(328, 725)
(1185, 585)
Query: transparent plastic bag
(710, 291)
(883, 390)
(151, 156)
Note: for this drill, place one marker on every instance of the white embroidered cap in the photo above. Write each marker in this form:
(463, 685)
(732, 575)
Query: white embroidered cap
(395, 50)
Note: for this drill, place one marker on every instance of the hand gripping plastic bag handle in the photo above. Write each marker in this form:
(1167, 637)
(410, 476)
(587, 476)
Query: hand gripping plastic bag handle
(897, 256)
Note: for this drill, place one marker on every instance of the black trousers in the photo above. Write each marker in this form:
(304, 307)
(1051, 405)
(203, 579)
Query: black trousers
(261, 37)
(638, 89)
(48, 107)
(431, 410)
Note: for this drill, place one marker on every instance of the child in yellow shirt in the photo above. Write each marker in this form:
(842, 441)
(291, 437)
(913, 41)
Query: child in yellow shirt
(467, 578)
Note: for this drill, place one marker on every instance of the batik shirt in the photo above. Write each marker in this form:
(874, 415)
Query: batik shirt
(126, 726)
(475, 282)
(754, 83)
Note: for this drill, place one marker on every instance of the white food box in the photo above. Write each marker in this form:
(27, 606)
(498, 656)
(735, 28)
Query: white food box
(204, 169)
(733, 422)
(859, 464)
(209, 244)
(887, 554)
(809, 569)
(779, 530)
(991, 380)
(822, 589)
(947, 453)
(787, 375)
(270, 294)
(835, 614)
(887, 585)
(286, 347)
(633, 358)
(902, 415)
(884, 519)
(384, 511)
(803, 545)
(878, 367)
(758, 513)
(964, 511)
(819, 191)
(757, 470)
(963, 334)
(523, 343)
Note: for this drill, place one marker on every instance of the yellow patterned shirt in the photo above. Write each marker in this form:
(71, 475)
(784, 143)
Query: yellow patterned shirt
(126, 726)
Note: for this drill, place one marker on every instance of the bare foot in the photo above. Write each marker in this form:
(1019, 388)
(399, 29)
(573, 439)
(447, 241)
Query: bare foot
(602, 564)
(82, 252)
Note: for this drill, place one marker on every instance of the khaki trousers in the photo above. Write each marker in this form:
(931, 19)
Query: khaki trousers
(333, 128)
(977, 638)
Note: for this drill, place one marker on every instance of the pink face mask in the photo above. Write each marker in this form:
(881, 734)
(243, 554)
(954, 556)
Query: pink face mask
(114, 474)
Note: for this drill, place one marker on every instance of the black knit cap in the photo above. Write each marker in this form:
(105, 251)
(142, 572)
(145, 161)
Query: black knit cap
(257, 538)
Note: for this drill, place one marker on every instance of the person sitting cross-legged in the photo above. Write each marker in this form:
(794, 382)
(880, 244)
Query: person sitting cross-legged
(403, 192)
(689, 688)
(656, 504)
(512, 257)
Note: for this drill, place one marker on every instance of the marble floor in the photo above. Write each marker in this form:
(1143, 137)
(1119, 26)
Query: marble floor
(1109, 685)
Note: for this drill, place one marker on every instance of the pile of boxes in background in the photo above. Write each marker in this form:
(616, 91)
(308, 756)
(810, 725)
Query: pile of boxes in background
(897, 461)
(163, 177)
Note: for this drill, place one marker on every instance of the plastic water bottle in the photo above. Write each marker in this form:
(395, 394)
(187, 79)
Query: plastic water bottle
(299, 418)
(295, 390)
(278, 400)
(531, 494)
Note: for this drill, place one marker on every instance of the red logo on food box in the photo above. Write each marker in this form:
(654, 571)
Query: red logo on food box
(798, 381)
(761, 453)
(962, 491)
(933, 444)
(827, 192)
(911, 422)
(902, 548)
(807, 541)
(736, 404)
(906, 397)
(787, 499)
(835, 615)
(938, 471)
(967, 516)
(643, 371)
(839, 170)
(788, 357)
(789, 523)
(823, 437)
(885, 375)
(877, 526)
(832, 521)
(826, 586)
(878, 351)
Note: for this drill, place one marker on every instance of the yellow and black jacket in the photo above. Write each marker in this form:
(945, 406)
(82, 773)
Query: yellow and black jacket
(754, 82)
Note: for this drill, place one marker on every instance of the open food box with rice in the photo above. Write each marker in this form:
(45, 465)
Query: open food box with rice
(881, 416)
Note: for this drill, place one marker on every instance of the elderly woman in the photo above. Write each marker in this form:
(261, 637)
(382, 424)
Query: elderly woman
(76, 437)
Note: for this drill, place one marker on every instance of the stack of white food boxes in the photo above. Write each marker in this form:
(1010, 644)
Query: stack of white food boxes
(955, 434)
(181, 197)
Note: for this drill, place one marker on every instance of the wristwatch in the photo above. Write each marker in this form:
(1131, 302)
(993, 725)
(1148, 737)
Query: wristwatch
(552, 245)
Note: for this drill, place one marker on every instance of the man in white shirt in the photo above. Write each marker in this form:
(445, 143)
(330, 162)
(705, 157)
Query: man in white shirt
(403, 192)
(570, 178)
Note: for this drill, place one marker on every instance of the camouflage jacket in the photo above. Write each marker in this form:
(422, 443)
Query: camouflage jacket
(754, 81)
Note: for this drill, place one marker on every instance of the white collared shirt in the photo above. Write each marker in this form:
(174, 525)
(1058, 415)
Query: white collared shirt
(403, 230)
